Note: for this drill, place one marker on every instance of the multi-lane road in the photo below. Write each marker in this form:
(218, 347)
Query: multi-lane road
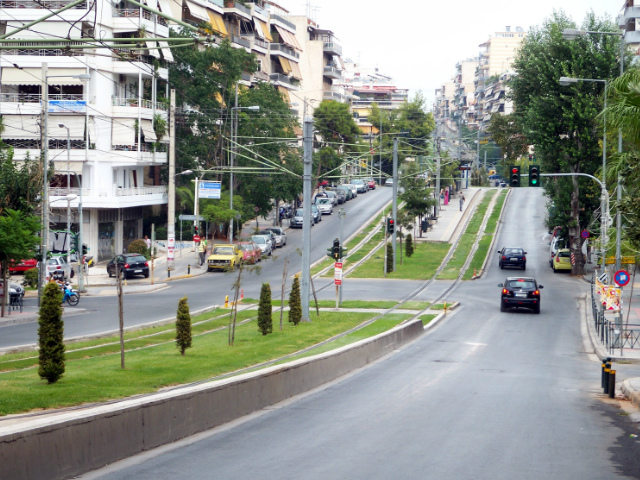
(485, 395)
(101, 313)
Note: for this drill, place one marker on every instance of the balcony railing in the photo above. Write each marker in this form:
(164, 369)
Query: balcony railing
(144, 147)
(148, 190)
(62, 191)
(280, 47)
(261, 43)
(36, 97)
(133, 102)
(240, 41)
(33, 144)
(329, 95)
(261, 76)
(135, 12)
(332, 72)
(50, 52)
(47, 4)
(133, 54)
(332, 47)
(238, 6)
(278, 77)
(283, 20)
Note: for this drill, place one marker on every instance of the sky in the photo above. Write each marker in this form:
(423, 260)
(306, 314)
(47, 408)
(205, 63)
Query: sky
(419, 42)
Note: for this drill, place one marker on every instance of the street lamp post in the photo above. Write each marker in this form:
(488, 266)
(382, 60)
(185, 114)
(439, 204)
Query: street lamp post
(45, 173)
(68, 237)
(234, 141)
(565, 81)
(80, 219)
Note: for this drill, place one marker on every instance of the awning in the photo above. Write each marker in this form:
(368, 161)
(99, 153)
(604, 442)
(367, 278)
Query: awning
(217, 23)
(285, 94)
(153, 51)
(75, 123)
(165, 7)
(166, 51)
(286, 65)
(197, 11)
(175, 8)
(92, 130)
(33, 76)
(123, 131)
(295, 69)
(264, 28)
(21, 127)
(60, 164)
(288, 38)
(148, 131)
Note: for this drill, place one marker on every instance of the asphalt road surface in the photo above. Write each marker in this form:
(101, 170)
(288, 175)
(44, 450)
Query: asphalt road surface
(485, 395)
(101, 313)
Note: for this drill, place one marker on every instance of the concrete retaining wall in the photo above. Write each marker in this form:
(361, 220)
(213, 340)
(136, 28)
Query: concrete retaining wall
(65, 445)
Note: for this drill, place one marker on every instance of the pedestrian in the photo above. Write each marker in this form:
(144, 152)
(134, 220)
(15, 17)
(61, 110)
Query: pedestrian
(147, 240)
(202, 248)
(461, 200)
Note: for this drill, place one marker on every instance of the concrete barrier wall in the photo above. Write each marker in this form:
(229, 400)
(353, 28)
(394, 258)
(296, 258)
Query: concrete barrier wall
(73, 443)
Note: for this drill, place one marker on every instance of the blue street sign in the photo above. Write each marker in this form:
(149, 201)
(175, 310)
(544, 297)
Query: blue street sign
(210, 190)
(621, 278)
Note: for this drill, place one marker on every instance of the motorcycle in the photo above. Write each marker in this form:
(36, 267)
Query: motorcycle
(72, 296)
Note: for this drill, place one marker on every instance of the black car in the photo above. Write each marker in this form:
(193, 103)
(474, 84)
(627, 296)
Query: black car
(512, 257)
(519, 292)
(129, 263)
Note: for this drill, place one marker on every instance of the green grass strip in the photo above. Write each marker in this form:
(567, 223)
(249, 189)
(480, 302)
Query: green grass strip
(459, 257)
(427, 318)
(478, 257)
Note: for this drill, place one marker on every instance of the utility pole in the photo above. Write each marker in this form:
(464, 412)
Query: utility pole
(306, 216)
(196, 213)
(437, 184)
(395, 198)
(44, 146)
(171, 212)
(342, 213)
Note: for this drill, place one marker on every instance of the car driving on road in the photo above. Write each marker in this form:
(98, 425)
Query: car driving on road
(224, 257)
(520, 292)
(129, 264)
(512, 257)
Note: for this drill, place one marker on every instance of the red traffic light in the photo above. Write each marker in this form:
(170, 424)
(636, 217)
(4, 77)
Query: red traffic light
(391, 221)
(514, 170)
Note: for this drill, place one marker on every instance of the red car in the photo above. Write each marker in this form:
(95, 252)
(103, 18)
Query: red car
(371, 183)
(23, 266)
(251, 252)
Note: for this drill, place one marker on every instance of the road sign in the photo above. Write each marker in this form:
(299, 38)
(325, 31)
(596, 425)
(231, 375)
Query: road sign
(621, 278)
(338, 273)
(584, 234)
(196, 238)
(210, 190)
(372, 151)
(623, 260)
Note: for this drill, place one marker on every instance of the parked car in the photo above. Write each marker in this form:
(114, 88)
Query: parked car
(281, 236)
(325, 206)
(263, 242)
(296, 220)
(520, 292)
(322, 183)
(371, 183)
(224, 257)
(16, 291)
(360, 185)
(251, 252)
(333, 197)
(315, 213)
(22, 266)
(512, 257)
(562, 260)
(59, 264)
(341, 195)
(353, 188)
(388, 182)
(270, 234)
(129, 264)
(555, 244)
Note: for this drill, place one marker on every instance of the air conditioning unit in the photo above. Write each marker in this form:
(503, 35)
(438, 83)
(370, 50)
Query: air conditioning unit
(90, 33)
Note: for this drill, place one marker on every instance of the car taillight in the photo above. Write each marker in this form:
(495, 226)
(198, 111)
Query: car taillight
(537, 292)
(146, 264)
(524, 258)
(126, 265)
(505, 291)
(503, 257)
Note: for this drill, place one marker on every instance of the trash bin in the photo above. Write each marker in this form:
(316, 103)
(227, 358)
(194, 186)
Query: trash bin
(425, 225)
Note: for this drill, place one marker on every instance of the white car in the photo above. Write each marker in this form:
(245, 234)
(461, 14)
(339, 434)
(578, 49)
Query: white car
(264, 242)
(59, 263)
(353, 188)
(281, 236)
(325, 205)
(388, 182)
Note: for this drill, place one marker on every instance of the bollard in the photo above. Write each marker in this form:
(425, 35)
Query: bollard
(604, 362)
(445, 308)
(607, 370)
(226, 304)
(168, 273)
(188, 269)
(242, 294)
(612, 384)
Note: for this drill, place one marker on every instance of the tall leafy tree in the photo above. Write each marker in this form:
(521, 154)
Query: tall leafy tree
(561, 121)
(51, 356)
(506, 131)
(183, 326)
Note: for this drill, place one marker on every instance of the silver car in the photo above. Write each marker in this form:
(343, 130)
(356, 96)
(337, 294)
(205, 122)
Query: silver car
(353, 188)
(264, 242)
(281, 236)
(324, 205)
(333, 196)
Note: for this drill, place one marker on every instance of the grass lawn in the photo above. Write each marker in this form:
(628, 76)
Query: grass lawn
(479, 256)
(360, 254)
(422, 265)
(332, 303)
(460, 254)
(99, 378)
(492, 222)
(427, 318)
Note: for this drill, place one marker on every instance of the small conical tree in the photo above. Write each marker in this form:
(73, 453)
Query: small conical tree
(265, 319)
(408, 245)
(183, 326)
(51, 334)
(389, 258)
(295, 302)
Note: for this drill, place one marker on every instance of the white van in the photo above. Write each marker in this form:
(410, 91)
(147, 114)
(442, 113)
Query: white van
(554, 244)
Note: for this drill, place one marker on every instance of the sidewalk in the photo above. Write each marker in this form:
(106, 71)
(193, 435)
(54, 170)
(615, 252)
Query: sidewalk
(450, 217)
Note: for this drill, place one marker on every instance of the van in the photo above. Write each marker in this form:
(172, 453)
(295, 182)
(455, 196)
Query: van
(555, 243)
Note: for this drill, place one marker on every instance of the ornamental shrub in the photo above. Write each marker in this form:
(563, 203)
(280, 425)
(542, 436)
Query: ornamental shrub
(389, 258)
(31, 277)
(408, 245)
(265, 319)
(139, 246)
(183, 326)
(295, 302)
(51, 355)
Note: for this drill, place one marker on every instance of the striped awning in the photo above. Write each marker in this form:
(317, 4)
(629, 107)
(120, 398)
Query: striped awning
(286, 65)
(262, 29)
(75, 124)
(295, 70)
(217, 23)
(23, 127)
(288, 38)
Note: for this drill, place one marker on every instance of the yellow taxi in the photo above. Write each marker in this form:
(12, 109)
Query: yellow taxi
(562, 260)
(224, 257)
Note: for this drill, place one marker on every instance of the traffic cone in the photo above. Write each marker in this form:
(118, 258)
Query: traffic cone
(226, 301)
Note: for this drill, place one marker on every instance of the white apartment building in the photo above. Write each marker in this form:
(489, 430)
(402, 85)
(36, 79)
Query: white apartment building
(628, 21)
(115, 154)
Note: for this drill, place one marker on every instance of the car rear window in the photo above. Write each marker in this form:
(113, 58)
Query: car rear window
(137, 258)
(223, 251)
(520, 284)
(564, 254)
(513, 251)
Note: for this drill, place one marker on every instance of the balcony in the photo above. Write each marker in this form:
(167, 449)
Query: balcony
(133, 102)
(232, 6)
(240, 41)
(49, 52)
(48, 4)
(136, 13)
(332, 48)
(284, 80)
(148, 190)
(283, 21)
(289, 52)
(261, 76)
(335, 96)
(332, 72)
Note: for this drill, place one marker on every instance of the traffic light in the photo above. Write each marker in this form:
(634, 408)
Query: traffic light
(530, 157)
(534, 176)
(391, 225)
(336, 250)
(515, 175)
